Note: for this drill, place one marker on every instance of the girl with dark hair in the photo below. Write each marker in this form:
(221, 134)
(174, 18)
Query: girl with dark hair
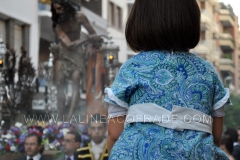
(165, 102)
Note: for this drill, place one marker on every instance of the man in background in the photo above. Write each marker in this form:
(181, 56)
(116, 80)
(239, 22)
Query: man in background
(97, 148)
(70, 144)
(33, 147)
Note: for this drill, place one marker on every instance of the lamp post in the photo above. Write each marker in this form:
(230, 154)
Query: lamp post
(110, 58)
(2, 84)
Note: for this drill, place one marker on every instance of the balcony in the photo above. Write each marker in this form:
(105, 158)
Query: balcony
(203, 50)
(226, 42)
(205, 21)
(226, 18)
(226, 65)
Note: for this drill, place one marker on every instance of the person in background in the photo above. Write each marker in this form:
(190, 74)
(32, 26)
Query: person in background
(156, 95)
(227, 146)
(33, 147)
(236, 148)
(70, 144)
(97, 148)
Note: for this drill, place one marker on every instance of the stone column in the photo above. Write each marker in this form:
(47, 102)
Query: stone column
(25, 37)
(10, 32)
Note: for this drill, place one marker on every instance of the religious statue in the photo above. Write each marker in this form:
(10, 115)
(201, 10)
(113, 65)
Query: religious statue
(69, 54)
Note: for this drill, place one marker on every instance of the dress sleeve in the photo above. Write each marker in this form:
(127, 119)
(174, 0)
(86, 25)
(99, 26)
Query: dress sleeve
(123, 86)
(221, 95)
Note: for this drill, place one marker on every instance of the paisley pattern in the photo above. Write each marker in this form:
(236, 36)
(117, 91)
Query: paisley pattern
(166, 79)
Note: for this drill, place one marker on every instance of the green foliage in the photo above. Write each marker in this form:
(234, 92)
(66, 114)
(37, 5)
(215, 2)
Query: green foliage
(232, 117)
(228, 56)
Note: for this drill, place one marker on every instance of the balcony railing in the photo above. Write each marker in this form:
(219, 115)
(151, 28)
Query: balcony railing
(203, 49)
(226, 42)
(226, 65)
(226, 18)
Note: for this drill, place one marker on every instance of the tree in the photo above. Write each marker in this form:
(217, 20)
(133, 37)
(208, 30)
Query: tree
(232, 116)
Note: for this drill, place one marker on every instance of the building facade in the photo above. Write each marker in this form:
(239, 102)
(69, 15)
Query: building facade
(19, 27)
(219, 41)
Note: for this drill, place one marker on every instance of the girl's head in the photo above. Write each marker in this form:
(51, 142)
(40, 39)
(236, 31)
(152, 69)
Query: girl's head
(163, 25)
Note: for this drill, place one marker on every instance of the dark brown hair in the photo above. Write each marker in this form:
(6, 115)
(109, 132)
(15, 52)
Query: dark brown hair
(69, 12)
(77, 137)
(232, 133)
(228, 142)
(39, 139)
(163, 25)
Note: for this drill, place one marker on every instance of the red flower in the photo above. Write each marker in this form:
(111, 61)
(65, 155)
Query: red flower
(7, 148)
(16, 132)
(39, 134)
(17, 141)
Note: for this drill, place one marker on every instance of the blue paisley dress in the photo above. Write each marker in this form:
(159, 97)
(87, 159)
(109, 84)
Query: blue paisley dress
(166, 79)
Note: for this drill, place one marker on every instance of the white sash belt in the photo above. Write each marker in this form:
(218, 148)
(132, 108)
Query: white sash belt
(179, 118)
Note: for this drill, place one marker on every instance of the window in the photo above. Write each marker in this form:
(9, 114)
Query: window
(115, 16)
(119, 18)
(203, 5)
(3, 31)
(111, 11)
